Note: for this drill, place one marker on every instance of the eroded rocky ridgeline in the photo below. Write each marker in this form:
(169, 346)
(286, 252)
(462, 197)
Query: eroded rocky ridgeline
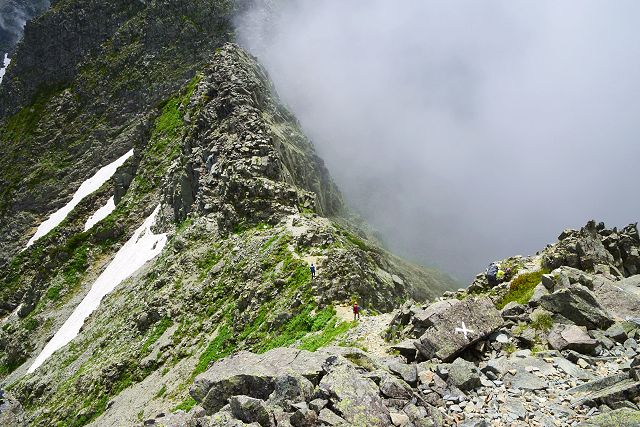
(224, 325)
(545, 348)
(245, 202)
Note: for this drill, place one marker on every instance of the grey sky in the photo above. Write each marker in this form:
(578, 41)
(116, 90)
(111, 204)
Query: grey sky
(465, 131)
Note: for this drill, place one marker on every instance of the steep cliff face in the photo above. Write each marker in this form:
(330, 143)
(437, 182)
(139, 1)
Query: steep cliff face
(223, 194)
(81, 90)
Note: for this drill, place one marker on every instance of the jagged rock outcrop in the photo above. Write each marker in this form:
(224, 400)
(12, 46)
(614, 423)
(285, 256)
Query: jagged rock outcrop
(244, 201)
(227, 326)
(99, 68)
(245, 158)
(594, 247)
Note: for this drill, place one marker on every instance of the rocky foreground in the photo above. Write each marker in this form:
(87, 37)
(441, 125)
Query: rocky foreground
(561, 350)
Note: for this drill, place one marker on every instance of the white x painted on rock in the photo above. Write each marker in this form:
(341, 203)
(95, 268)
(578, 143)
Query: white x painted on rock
(464, 331)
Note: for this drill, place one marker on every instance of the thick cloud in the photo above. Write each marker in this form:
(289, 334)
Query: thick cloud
(465, 131)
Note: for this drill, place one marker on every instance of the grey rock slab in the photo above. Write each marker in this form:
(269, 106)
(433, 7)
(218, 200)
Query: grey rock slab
(330, 418)
(395, 388)
(598, 384)
(503, 365)
(631, 344)
(253, 375)
(463, 375)
(408, 373)
(250, 410)
(538, 292)
(572, 369)
(318, 404)
(571, 337)
(617, 332)
(619, 392)
(579, 305)
(621, 298)
(525, 381)
(619, 418)
(515, 408)
(399, 419)
(443, 320)
(355, 398)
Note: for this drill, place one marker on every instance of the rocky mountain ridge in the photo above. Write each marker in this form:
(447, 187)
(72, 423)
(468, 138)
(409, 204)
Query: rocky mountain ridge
(225, 324)
(564, 353)
(245, 203)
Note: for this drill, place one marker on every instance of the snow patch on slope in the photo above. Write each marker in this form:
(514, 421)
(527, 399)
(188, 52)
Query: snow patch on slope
(100, 214)
(140, 248)
(5, 64)
(87, 187)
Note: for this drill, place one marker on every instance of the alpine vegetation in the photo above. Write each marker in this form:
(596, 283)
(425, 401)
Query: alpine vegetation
(175, 252)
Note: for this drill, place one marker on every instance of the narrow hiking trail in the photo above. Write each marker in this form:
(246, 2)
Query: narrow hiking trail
(369, 331)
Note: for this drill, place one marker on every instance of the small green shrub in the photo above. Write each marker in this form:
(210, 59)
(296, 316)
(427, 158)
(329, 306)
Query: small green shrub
(541, 322)
(510, 348)
(521, 288)
(161, 392)
(329, 333)
(30, 324)
(186, 405)
(53, 293)
(218, 348)
(157, 332)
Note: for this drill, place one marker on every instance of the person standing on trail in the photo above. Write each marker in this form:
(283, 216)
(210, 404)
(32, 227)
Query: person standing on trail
(356, 311)
(313, 271)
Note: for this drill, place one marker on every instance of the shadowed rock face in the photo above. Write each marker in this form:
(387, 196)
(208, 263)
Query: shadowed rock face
(14, 14)
(245, 158)
(99, 68)
(246, 203)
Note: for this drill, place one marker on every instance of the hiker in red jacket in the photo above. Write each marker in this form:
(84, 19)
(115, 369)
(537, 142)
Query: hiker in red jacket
(356, 311)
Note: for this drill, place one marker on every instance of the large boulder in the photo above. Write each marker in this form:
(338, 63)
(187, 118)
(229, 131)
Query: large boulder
(254, 375)
(571, 337)
(250, 410)
(355, 398)
(579, 305)
(620, 298)
(453, 325)
(463, 374)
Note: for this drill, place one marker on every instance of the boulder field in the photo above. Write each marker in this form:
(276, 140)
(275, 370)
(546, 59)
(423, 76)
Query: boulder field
(544, 348)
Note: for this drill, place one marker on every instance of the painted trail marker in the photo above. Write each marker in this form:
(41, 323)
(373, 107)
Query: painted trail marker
(464, 331)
